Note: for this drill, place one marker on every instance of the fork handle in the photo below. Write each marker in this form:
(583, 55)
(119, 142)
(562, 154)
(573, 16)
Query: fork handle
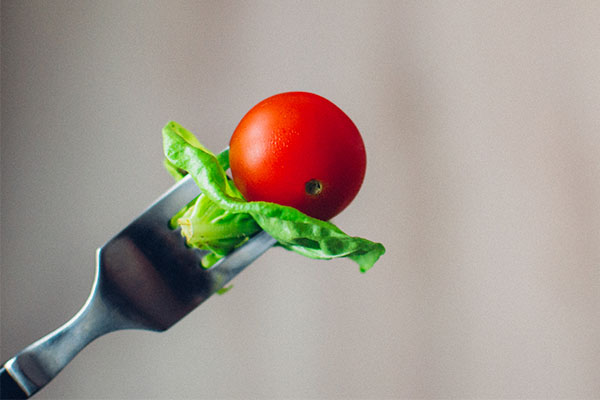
(36, 365)
(9, 389)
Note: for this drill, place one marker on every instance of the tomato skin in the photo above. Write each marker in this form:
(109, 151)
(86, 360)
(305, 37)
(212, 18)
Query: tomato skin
(298, 149)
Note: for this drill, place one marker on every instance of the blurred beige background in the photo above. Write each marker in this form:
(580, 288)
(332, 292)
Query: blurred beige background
(482, 126)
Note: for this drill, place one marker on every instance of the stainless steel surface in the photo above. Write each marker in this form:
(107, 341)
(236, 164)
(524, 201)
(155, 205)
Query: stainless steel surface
(146, 278)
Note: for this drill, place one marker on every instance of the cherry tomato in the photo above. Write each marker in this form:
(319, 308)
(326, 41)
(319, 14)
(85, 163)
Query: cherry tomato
(298, 149)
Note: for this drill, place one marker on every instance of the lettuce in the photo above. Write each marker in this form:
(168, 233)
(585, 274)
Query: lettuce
(220, 219)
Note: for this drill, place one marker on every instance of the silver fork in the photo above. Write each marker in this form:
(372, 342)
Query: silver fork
(146, 278)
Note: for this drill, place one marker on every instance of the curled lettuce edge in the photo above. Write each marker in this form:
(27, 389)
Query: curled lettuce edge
(292, 229)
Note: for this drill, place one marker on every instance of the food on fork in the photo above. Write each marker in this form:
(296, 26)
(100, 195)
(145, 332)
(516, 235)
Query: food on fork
(296, 161)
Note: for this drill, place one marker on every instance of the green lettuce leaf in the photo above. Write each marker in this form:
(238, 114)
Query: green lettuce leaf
(210, 227)
(203, 222)
(293, 229)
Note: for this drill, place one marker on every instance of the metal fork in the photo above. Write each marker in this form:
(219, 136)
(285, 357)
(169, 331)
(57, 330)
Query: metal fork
(146, 278)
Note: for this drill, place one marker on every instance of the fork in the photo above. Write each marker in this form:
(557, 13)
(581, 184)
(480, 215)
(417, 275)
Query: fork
(146, 278)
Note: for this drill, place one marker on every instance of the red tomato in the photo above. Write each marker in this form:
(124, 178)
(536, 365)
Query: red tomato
(298, 149)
